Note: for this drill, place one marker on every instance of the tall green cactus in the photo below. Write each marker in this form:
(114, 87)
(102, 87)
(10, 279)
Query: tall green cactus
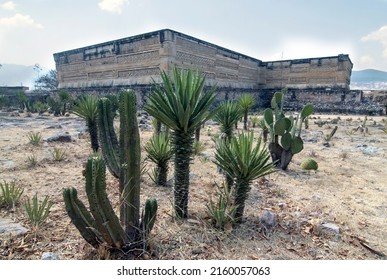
(288, 128)
(123, 159)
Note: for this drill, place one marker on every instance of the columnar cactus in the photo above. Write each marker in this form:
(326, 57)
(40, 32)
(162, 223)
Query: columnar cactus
(288, 128)
(123, 159)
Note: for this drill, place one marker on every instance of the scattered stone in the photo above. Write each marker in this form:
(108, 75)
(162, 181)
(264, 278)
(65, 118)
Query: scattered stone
(269, 220)
(60, 137)
(7, 226)
(281, 205)
(330, 228)
(49, 256)
(197, 252)
(7, 163)
(316, 197)
(210, 122)
(193, 176)
(369, 150)
(54, 126)
(145, 126)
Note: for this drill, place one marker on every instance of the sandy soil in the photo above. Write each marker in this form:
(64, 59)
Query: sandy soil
(348, 190)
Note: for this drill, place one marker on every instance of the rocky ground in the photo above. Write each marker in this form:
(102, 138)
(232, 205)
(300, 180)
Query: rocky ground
(336, 212)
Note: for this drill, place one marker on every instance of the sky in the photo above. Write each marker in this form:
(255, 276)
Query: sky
(31, 31)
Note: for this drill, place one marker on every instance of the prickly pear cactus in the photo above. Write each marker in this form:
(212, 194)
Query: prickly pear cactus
(285, 132)
(309, 164)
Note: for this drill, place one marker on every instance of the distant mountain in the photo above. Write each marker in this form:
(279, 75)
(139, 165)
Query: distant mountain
(16, 75)
(369, 79)
(369, 75)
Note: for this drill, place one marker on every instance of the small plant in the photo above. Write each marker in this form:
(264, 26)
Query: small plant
(309, 164)
(10, 195)
(343, 155)
(40, 107)
(351, 132)
(246, 102)
(32, 160)
(34, 138)
(198, 147)
(58, 154)
(328, 137)
(222, 213)
(209, 130)
(37, 213)
(254, 121)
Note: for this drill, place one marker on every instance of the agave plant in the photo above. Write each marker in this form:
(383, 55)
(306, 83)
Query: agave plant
(181, 105)
(160, 152)
(246, 102)
(227, 115)
(243, 162)
(86, 108)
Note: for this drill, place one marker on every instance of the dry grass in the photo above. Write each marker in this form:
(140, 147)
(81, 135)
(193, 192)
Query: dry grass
(349, 191)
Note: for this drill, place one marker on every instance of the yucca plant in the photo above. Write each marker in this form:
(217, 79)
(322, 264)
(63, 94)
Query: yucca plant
(246, 102)
(180, 104)
(34, 138)
(86, 108)
(37, 212)
(100, 225)
(227, 114)
(160, 152)
(10, 194)
(243, 162)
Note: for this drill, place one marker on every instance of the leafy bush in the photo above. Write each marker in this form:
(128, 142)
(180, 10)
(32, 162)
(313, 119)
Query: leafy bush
(10, 194)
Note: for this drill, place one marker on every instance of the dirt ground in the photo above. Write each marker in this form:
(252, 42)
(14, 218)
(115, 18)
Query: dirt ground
(348, 190)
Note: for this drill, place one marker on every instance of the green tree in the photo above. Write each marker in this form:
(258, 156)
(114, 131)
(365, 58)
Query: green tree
(243, 162)
(86, 108)
(47, 82)
(246, 102)
(160, 152)
(228, 113)
(181, 105)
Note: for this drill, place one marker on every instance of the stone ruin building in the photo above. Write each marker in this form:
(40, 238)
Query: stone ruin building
(136, 62)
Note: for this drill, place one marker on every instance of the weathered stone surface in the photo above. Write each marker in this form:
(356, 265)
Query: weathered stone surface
(60, 137)
(136, 62)
(269, 220)
(50, 256)
(7, 226)
(330, 228)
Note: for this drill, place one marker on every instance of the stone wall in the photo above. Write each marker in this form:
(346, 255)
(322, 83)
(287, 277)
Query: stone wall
(136, 62)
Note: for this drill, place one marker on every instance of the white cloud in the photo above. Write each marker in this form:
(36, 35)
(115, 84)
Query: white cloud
(113, 6)
(9, 6)
(19, 20)
(380, 36)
